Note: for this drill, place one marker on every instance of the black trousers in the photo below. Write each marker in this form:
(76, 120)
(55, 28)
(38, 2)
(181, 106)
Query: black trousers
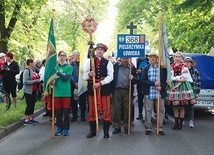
(30, 101)
(62, 118)
(82, 102)
(140, 97)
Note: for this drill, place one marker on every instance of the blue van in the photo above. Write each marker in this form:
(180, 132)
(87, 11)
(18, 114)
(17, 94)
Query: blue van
(205, 65)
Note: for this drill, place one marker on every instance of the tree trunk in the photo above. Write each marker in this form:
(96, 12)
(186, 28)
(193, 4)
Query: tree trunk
(3, 46)
(3, 40)
(5, 32)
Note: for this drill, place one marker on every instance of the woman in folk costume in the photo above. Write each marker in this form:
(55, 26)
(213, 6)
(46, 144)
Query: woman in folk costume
(181, 90)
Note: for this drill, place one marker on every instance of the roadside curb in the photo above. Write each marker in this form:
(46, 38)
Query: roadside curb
(14, 126)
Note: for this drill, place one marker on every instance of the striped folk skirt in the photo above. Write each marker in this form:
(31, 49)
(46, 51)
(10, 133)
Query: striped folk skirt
(181, 93)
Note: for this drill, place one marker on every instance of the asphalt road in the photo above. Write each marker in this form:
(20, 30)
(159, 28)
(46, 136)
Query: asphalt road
(36, 140)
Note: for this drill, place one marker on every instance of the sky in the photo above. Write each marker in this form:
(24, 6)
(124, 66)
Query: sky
(105, 28)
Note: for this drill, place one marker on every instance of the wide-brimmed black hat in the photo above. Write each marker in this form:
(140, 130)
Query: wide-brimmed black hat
(101, 45)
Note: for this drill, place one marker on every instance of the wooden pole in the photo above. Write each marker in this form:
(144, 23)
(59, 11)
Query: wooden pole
(130, 98)
(95, 92)
(52, 98)
(53, 114)
(160, 49)
(158, 112)
(131, 27)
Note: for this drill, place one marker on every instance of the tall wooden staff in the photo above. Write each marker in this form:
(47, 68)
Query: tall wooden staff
(89, 25)
(50, 71)
(131, 27)
(160, 49)
(130, 96)
(53, 112)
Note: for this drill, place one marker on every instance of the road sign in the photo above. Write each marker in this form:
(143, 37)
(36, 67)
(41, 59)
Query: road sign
(130, 45)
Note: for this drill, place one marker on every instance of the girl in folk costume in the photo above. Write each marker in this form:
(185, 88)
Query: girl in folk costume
(181, 90)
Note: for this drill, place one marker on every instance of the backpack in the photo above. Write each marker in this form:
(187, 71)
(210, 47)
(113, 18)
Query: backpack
(20, 82)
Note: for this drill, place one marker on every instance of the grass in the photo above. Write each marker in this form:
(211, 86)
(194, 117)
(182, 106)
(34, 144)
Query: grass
(15, 114)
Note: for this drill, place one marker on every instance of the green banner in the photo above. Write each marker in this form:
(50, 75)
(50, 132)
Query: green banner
(51, 59)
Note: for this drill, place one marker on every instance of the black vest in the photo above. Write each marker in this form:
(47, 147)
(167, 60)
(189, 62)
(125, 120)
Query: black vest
(101, 72)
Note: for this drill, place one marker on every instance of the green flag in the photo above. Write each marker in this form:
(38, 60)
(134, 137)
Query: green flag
(51, 59)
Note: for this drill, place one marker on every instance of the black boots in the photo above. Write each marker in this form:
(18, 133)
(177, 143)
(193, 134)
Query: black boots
(106, 126)
(92, 132)
(178, 124)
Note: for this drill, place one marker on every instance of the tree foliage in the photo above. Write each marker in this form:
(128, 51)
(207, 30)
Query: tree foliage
(25, 24)
(189, 23)
(73, 13)
(18, 20)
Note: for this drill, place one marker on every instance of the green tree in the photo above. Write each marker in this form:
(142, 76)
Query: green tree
(70, 18)
(27, 37)
(189, 23)
(10, 13)
(192, 26)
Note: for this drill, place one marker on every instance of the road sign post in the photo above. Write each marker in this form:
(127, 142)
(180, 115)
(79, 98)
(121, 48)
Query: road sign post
(130, 45)
(131, 27)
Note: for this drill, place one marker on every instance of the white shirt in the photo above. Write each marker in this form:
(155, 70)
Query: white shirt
(107, 79)
(184, 73)
(42, 73)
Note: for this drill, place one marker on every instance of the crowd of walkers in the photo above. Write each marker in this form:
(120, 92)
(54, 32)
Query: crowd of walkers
(104, 89)
(107, 94)
(9, 68)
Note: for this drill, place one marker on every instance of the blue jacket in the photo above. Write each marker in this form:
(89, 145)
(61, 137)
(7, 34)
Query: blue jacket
(147, 83)
(75, 73)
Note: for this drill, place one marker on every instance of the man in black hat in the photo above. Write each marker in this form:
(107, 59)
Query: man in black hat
(104, 75)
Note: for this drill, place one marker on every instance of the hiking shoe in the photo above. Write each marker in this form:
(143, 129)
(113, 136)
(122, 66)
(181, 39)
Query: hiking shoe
(58, 131)
(28, 123)
(116, 131)
(73, 119)
(191, 124)
(83, 119)
(166, 115)
(65, 132)
(183, 123)
(45, 115)
(132, 124)
(34, 121)
(161, 132)
(140, 116)
(148, 132)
